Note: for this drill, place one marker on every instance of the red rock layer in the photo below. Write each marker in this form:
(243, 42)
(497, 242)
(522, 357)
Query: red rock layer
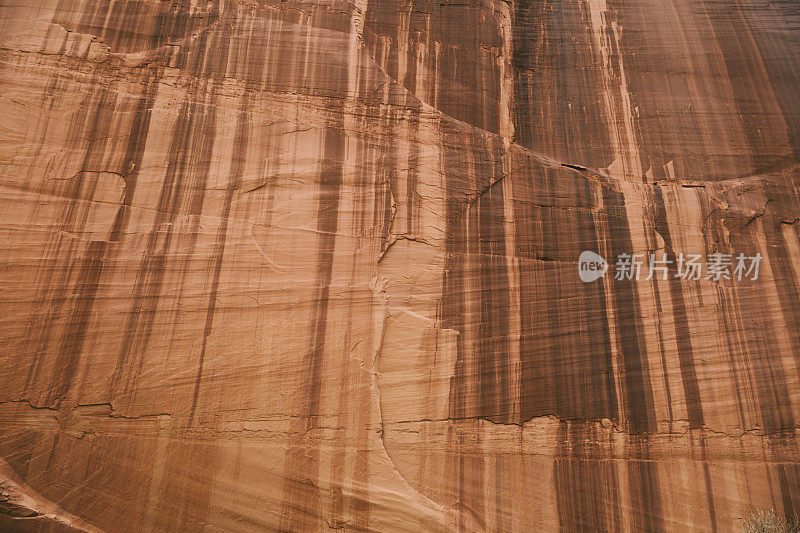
(305, 265)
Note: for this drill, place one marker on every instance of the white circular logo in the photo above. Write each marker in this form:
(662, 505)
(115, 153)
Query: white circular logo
(591, 266)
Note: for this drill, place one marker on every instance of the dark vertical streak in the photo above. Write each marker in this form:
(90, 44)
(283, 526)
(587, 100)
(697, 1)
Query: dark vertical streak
(586, 487)
(691, 389)
(493, 349)
(300, 498)
(69, 352)
(639, 409)
(238, 159)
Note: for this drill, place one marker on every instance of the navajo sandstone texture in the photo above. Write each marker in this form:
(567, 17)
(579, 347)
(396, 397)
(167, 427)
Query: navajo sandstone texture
(312, 264)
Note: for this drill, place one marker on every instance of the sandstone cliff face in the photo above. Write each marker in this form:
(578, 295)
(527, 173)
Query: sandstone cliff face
(312, 264)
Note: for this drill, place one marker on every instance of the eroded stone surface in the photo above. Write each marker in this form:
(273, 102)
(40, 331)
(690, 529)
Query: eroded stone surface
(303, 265)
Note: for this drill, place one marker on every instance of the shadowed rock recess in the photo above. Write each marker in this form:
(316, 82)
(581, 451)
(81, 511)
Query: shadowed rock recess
(307, 264)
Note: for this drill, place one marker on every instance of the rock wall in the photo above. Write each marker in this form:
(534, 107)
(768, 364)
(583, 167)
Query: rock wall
(311, 264)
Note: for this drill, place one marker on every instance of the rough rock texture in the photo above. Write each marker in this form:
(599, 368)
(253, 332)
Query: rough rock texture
(311, 264)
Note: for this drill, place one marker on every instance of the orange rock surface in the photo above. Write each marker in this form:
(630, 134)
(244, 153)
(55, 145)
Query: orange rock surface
(308, 264)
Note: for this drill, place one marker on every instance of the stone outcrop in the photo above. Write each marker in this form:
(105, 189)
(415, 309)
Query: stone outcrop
(311, 264)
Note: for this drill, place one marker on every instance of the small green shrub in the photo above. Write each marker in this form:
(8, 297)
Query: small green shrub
(770, 522)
